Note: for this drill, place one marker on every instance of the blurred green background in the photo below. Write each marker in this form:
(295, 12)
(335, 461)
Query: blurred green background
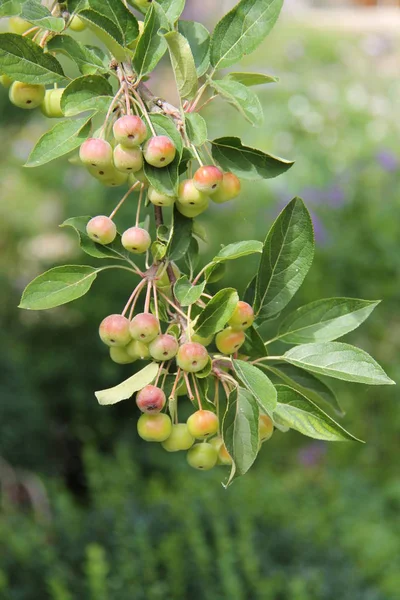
(88, 510)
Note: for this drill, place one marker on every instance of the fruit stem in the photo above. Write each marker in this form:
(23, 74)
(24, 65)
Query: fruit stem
(110, 109)
(197, 155)
(216, 401)
(174, 306)
(189, 389)
(159, 373)
(120, 203)
(148, 296)
(139, 203)
(259, 360)
(144, 111)
(136, 292)
(177, 378)
(156, 303)
(197, 391)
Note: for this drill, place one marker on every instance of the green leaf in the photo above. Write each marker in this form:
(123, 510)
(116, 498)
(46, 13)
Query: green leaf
(127, 388)
(23, 60)
(199, 41)
(192, 256)
(86, 60)
(10, 8)
(258, 384)
(339, 360)
(172, 8)
(298, 412)
(287, 256)
(246, 162)
(114, 250)
(253, 346)
(39, 15)
(325, 320)
(182, 64)
(151, 46)
(250, 79)
(242, 30)
(240, 432)
(196, 128)
(238, 250)
(165, 180)
(242, 98)
(217, 313)
(58, 286)
(181, 236)
(61, 139)
(107, 31)
(118, 13)
(186, 293)
(89, 92)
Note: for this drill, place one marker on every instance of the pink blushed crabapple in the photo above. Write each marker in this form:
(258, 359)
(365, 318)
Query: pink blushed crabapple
(138, 350)
(224, 458)
(159, 151)
(160, 199)
(144, 327)
(228, 190)
(202, 424)
(180, 439)
(154, 428)
(119, 355)
(265, 428)
(96, 152)
(51, 105)
(26, 95)
(208, 179)
(114, 330)
(229, 340)
(130, 131)
(128, 160)
(163, 347)
(151, 399)
(189, 195)
(101, 229)
(242, 317)
(136, 240)
(192, 357)
(202, 456)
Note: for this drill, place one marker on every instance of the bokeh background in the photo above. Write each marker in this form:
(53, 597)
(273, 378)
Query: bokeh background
(88, 510)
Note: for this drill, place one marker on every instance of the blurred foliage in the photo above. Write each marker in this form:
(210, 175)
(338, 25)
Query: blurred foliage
(91, 512)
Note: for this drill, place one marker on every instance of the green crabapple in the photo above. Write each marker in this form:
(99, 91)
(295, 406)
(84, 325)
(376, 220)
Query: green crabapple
(160, 199)
(192, 357)
(208, 179)
(163, 347)
(76, 24)
(143, 3)
(119, 355)
(229, 340)
(129, 131)
(151, 399)
(138, 350)
(96, 152)
(242, 317)
(202, 424)
(114, 179)
(101, 229)
(265, 428)
(202, 456)
(159, 151)
(114, 330)
(224, 458)
(162, 279)
(154, 428)
(144, 327)
(228, 190)
(138, 176)
(18, 25)
(191, 211)
(189, 195)
(26, 95)
(51, 105)
(5, 81)
(180, 439)
(136, 239)
(205, 341)
(128, 160)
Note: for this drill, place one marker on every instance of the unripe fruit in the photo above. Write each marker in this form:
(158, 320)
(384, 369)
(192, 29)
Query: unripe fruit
(216, 442)
(143, 3)
(5, 81)
(202, 424)
(136, 240)
(190, 196)
(192, 357)
(202, 456)
(164, 347)
(224, 458)
(205, 341)
(162, 279)
(132, 45)
(159, 151)
(130, 131)
(159, 199)
(18, 25)
(265, 428)
(138, 350)
(114, 330)
(26, 95)
(76, 24)
(229, 340)
(151, 399)
(128, 160)
(154, 428)
(180, 439)
(229, 189)
(101, 229)
(51, 105)
(115, 179)
(191, 211)
(95, 152)
(208, 179)
(120, 356)
(243, 316)
(138, 176)
(144, 327)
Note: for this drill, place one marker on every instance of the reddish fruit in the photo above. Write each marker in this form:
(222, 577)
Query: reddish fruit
(229, 189)
(202, 456)
(164, 347)
(229, 340)
(208, 179)
(242, 317)
(144, 327)
(224, 458)
(96, 152)
(192, 357)
(114, 330)
(151, 399)
(180, 439)
(265, 428)
(202, 424)
(136, 240)
(101, 229)
(130, 131)
(128, 160)
(159, 151)
(154, 428)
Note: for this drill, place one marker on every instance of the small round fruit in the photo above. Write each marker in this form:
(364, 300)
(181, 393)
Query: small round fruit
(138, 350)
(162, 279)
(18, 25)
(114, 330)
(191, 212)
(243, 316)
(154, 428)
(51, 105)
(144, 327)
(159, 199)
(130, 131)
(138, 176)
(136, 240)
(229, 340)
(224, 458)
(115, 179)
(163, 347)
(128, 160)
(159, 151)
(228, 190)
(101, 229)
(151, 399)
(265, 428)
(120, 356)
(205, 341)
(180, 439)
(202, 456)
(5, 81)
(76, 24)
(190, 196)
(143, 3)
(202, 424)
(216, 442)
(208, 179)
(95, 152)
(26, 95)
(192, 357)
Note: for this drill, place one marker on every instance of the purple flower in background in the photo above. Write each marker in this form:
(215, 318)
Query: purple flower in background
(312, 455)
(335, 195)
(388, 160)
(320, 231)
